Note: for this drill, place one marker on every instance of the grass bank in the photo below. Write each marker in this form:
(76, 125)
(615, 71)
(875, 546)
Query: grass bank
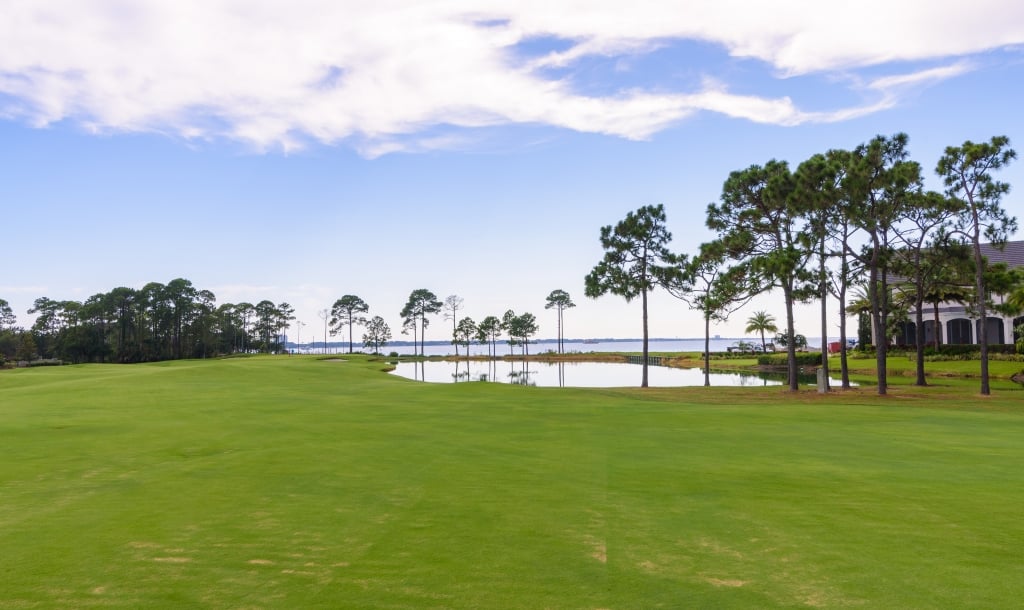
(299, 483)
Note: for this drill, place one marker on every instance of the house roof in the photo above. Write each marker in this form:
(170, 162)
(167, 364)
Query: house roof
(1012, 254)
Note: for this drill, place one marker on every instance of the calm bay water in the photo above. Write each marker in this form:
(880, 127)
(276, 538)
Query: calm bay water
(659, 345)
(573, 374)
(447, 349)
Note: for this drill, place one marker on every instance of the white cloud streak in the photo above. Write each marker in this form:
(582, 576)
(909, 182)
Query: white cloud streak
(897, 81)
(278, 75)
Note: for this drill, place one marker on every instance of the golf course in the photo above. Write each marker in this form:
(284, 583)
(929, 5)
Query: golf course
(305, 482)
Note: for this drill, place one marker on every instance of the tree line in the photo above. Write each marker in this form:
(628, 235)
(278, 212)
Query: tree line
(841, 220)
(177, 320)
(349, 310)
(157, 322)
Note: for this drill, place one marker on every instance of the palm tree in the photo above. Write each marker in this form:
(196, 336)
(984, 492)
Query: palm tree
(1016, 299)
(860, 305)
(761, 322)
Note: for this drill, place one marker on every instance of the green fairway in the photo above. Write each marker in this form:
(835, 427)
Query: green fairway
(281, 482)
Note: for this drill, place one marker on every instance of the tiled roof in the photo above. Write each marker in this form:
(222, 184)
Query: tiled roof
(1012, 254)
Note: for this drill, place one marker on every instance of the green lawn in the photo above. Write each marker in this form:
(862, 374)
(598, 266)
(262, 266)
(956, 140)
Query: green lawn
(298, 483)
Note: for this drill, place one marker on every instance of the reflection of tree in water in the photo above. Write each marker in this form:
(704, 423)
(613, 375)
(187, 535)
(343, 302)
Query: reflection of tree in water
(769, 378)
(458, 376)
(521, 377)
(489, 375)
(747, 381)
(556, 374)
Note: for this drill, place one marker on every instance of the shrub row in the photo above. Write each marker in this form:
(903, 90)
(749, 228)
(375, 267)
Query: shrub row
(969, 356)
(41, 362)
(802, 359)
(957, 350)
(732, 355)
(960, 349)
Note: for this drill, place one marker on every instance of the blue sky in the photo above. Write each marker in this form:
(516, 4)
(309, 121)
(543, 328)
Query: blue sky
(302, 151)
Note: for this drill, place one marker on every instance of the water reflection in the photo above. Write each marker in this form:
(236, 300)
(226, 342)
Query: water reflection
(577, 374)
(419, 371)
(523, 376)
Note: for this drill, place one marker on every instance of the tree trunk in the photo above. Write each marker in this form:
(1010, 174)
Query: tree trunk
(843, 364)
(979, 287)
(794, 381)
(919, 336)
(561, 331)
(643, 381)
(878, 319)
(423, 335)
(707, 350)
(824, 313)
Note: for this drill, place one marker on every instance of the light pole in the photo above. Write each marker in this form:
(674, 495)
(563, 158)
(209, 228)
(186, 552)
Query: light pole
(298, 333)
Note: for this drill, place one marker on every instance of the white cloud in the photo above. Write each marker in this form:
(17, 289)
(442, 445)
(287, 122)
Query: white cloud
(889, 83)
(613, 47)
(278, 75)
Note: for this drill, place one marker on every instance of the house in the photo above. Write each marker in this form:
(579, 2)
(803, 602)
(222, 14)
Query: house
(957, 324)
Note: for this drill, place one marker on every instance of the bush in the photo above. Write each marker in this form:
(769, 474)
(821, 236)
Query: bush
(802, 359)
(1007, 357)
(730, 355)
(966, 351)
(952, 352)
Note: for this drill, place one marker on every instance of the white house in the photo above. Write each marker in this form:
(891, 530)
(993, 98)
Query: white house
(957, 325)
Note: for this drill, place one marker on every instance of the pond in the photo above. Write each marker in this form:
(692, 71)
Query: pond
(579, 374)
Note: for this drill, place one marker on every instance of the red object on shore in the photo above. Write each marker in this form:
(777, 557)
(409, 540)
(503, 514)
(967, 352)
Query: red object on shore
(833, 348)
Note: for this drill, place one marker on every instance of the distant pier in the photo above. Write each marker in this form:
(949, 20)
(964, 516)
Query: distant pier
(651, 360)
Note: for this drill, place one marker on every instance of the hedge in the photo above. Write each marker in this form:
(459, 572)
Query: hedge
(802, 359)
(957, 349)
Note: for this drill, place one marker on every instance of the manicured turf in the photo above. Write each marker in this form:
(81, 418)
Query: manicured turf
(298, 483)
